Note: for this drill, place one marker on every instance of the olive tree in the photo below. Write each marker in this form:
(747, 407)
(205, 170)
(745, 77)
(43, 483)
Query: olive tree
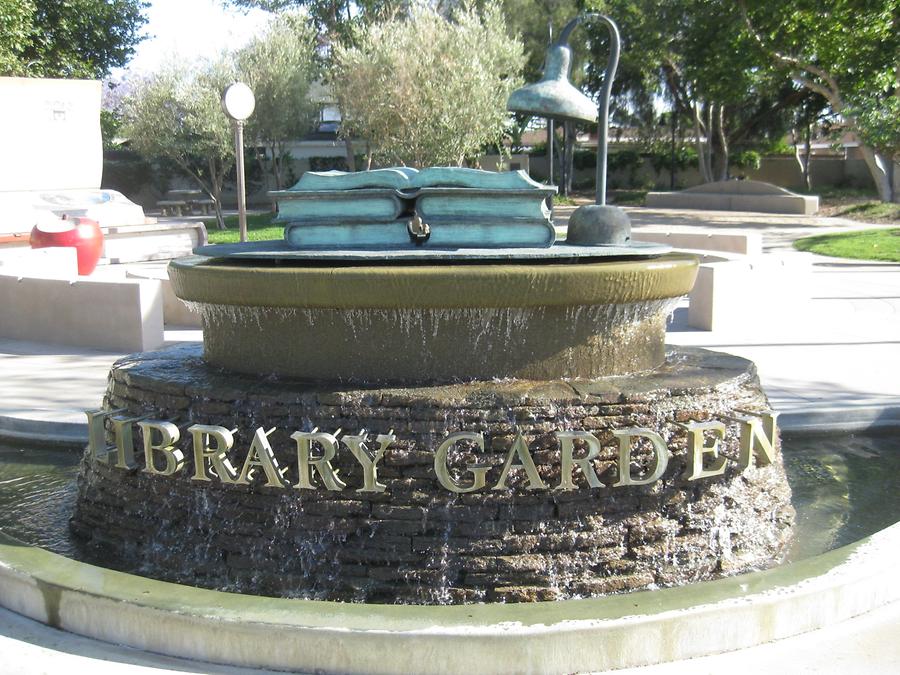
(427, 88)
(176, 115)
(280, 66)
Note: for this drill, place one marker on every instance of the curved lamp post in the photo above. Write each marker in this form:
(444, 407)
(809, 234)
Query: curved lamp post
(554, 97)
(238, 103)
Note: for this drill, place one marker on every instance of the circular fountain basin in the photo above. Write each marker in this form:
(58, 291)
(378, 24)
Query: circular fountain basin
(414, 322)
(548, 637)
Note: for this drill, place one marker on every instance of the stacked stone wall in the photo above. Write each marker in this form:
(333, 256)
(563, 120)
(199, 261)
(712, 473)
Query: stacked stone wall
(418, 542)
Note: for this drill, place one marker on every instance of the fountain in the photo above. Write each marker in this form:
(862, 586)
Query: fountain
(433, 423)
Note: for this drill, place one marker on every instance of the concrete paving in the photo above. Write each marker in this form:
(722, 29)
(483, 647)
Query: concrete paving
(833, 360)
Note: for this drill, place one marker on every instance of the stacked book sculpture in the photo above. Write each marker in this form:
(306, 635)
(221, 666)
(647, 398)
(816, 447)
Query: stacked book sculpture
(438, 207)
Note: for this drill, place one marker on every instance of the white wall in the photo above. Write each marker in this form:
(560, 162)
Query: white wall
(50, 134)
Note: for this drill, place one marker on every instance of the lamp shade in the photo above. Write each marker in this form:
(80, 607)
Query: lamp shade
(554, 96)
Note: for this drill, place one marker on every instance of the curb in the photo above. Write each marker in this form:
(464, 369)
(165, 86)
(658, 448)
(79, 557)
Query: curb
(593, 634)
(868, 418)
(42, 432)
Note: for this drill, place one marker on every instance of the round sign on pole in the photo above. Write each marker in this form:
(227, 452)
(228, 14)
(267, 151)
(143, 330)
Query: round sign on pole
(238, 101)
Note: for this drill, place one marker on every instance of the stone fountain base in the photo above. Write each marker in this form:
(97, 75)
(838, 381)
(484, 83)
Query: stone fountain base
(418, 542)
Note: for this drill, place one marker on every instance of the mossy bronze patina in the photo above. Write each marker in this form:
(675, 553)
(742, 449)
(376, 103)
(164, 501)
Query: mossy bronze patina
(434, 427)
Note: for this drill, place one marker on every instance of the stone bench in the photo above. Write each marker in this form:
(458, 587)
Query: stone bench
(123, 315)
(736, 195)
(152, 241)
(733, 293)
(742, 243)
(175, 311)
(203, 204)
(171, 207)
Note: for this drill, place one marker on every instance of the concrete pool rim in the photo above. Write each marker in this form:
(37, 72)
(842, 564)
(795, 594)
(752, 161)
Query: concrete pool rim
(564, 636)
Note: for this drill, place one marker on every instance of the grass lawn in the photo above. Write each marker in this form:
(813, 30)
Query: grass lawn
(881, 244)
(259, 228)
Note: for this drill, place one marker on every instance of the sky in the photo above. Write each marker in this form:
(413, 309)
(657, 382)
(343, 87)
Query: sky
(190, 29)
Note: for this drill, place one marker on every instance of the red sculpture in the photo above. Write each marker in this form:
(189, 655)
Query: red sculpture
(82, 233)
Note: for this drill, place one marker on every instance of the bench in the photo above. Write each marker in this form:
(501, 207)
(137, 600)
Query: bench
(171, 207)
(178, 207)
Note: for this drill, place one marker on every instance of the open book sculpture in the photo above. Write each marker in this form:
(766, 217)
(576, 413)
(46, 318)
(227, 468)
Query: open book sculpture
(438, 207)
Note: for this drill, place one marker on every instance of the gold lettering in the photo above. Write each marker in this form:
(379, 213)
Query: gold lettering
(568, 461)
(758, 441)
(169, 436)
(306, 462)
(123, 432)
(697, 450)
(367, 461)
(443, 472)
(216, 455)
(97, 447)
(520, 449)
(261, 455)
(654, 470)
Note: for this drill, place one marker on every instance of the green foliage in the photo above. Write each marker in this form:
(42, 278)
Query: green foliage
(881, 244)
(16, 27)
(628, 197)
(280, 67)
(584, 159)
(700, 58)
(129, 173)
(878, 122)
(747, 159)
(427, 90)
(531, 22)
(68, 38)
(110, 124)
(851, 45)
(176, 115)
(624, 159)
(335, 19)
(846, 51)
(659, 155)
(779, 147)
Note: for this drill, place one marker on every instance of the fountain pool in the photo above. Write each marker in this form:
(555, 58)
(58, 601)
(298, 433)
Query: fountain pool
(844, 488)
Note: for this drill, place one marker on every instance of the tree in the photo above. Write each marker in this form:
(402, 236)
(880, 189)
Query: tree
(16, 18)
(811, 114)
(857, 70)
(68, 38)
(334, 19)
(428, 90)
(279, 67)
(176, 115)
(697, 55)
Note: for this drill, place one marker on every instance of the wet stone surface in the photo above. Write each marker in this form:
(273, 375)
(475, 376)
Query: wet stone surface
(418, 542)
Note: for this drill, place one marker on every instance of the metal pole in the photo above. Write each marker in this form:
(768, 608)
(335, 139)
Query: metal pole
(603, 108)
(551, 131)
(241, 189)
